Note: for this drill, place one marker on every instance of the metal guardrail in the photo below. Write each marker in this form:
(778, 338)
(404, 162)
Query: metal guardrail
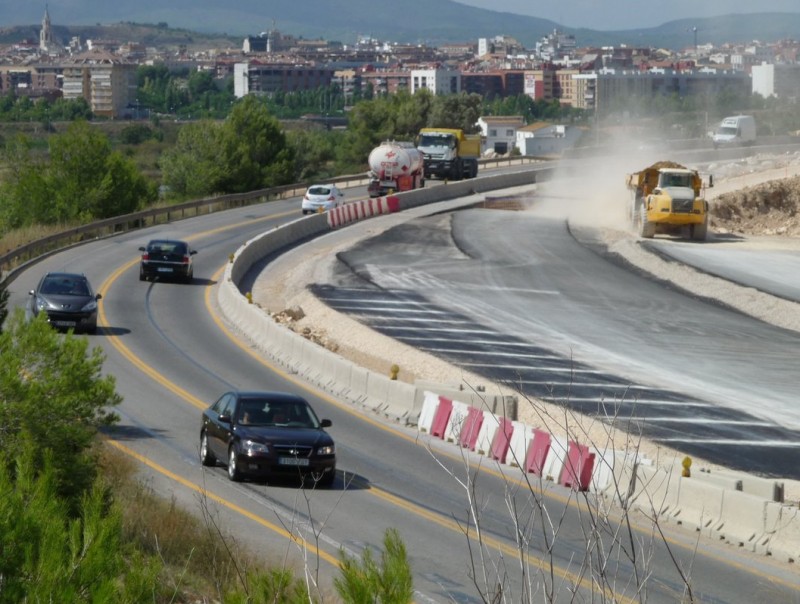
(14, 259)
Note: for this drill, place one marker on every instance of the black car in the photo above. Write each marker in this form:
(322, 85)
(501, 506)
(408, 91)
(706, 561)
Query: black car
(267, 434)
(68, 300)
(166, 258)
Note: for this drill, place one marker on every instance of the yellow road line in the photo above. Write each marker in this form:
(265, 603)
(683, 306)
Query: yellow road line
(439, 519)
(224, 502)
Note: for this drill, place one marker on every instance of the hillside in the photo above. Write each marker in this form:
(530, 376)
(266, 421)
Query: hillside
(415, 21)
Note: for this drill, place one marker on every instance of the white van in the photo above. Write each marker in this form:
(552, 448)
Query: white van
(735, 130)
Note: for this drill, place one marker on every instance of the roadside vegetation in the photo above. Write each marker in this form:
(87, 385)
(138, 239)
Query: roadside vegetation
(78, 525)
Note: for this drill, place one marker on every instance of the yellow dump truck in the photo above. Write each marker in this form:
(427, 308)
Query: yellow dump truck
(669, 198)
(449, 153)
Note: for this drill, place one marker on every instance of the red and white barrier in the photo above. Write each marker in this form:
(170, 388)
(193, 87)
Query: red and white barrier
(362, 209)
(535, 451)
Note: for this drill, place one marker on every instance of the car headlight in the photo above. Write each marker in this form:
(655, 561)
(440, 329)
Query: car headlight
(252, 448)
(326, 450)
(41, 304)
(90, 306)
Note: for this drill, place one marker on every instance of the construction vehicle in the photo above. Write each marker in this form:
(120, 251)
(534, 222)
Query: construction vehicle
(668, 198)
(449, 153)
(394, 167)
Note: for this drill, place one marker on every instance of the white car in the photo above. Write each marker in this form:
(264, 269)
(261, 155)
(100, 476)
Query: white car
(322, 197)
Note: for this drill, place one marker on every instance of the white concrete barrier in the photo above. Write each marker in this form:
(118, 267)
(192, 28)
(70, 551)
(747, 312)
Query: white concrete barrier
(554, 464)
(428, 412)
(742, 520)
(456, 421)
(483, 445)
(521, 438)
(784, 544)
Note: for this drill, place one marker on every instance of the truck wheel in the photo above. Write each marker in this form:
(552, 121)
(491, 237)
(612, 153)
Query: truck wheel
(700, 231)
(647, 229)
(455, 171)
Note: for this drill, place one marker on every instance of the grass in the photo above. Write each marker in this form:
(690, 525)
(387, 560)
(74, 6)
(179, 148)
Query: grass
(201, 561)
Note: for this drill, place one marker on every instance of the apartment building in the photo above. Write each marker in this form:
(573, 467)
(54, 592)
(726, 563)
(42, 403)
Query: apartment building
(263, 77)
(438, 80)
(107, 82)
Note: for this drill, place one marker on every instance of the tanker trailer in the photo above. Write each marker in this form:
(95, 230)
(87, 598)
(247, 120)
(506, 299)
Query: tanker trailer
(394, 167)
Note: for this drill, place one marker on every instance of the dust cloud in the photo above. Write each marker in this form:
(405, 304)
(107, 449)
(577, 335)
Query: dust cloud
(592, 192)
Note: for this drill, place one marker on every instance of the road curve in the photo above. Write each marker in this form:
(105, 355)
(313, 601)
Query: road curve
(171, 354)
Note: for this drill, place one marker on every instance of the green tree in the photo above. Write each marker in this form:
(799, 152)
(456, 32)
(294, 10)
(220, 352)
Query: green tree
(54, 394)
(193, 166)
(366, 581)
(50, 554)
(255, 154)
(24, 192)
(456, 111)
(87, 180)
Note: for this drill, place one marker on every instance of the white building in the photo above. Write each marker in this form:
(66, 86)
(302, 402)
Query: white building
(438, 81)
(546, 139)
(499, 133)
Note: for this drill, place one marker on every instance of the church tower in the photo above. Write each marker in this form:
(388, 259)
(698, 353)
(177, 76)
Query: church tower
(46, 41)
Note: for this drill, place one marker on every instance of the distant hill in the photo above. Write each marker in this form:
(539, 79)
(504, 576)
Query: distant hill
(413, 21)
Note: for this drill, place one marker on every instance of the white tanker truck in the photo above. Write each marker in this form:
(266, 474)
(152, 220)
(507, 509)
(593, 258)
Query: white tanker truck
(394, 166)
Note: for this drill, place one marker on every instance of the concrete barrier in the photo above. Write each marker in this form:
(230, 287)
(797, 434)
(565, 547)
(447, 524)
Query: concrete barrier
(784, 522)
(428, 412)
(699, 505)
(521, 440)
(742, 520)
(554, 463)
(483, 444)
(455, 424)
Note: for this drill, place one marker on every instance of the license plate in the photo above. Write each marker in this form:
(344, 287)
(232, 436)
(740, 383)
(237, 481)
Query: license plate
(293, 461)
(64, 323)
(164, 269)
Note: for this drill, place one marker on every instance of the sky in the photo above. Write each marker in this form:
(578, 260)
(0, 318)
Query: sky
(631, 14)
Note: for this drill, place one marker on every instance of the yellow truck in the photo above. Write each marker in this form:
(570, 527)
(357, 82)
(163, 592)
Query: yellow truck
(668, 198)
(449, 153)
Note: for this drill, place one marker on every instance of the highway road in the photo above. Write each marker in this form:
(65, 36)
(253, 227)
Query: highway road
(172, 354)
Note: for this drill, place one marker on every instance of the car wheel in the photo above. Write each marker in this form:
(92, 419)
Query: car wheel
(234, 473)
(142, 276)
(206, 456)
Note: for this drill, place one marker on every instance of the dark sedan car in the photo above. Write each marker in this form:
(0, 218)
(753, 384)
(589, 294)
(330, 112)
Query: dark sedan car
(267, 434)
(67, 299)
(166, 259)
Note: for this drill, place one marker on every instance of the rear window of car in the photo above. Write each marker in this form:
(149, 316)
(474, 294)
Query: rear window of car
(319, 191)
(167, 247)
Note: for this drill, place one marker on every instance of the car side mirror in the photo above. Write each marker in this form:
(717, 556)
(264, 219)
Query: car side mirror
(142, 248)
(98, 296)
(326, 423)
(193, 252)
(32, 293)
(224, 418)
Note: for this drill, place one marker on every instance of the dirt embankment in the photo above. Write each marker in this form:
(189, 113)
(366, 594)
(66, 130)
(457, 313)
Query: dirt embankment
(759, 196)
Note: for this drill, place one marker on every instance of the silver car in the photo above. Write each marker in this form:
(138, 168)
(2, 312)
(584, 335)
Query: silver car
(322, 198)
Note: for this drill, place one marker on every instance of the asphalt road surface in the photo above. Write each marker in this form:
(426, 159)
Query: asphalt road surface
(172, 354)
(513, 296)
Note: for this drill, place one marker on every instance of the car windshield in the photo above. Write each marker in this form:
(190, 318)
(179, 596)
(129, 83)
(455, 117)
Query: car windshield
(319, 191)
(65, 286)
(290, 414)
